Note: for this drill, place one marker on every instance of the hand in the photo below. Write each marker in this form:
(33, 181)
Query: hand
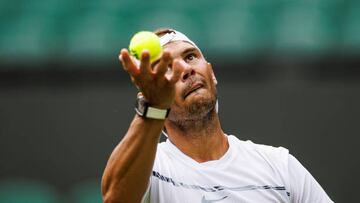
(157, 87)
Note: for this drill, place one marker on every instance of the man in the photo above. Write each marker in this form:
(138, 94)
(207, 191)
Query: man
(198, 163)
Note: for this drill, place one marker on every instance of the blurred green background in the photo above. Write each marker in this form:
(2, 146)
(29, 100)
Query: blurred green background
(37, 31)
(288, 72)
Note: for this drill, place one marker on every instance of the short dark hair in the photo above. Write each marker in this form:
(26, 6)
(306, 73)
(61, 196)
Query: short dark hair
(162, 31)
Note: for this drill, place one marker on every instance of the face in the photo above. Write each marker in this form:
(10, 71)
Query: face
(196, 93)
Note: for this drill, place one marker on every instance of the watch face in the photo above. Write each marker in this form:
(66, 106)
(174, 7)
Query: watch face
(140, 105)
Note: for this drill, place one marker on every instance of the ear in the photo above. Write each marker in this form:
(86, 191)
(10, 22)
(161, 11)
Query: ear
(212, 73)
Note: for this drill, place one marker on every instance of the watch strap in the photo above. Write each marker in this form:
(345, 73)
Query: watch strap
(144, 109)
(156, 113)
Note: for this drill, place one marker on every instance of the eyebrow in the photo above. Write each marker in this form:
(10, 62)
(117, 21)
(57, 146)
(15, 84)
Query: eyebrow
(186, 51)
(191, 49)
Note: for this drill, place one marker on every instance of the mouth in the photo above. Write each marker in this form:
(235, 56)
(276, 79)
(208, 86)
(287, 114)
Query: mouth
(194, 88)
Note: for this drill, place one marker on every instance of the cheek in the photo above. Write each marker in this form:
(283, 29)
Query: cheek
(178, 91)
(210, 79)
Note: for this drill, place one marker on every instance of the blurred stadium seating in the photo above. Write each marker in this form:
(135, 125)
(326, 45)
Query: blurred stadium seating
(87, 191)
(39, 30)
(15, 190)
(27, 191)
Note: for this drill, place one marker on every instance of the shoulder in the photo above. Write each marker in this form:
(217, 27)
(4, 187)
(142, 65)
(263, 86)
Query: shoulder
(259, 148)
(275, 156)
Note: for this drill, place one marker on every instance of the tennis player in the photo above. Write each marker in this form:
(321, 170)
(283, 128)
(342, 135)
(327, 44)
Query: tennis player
(198, 163)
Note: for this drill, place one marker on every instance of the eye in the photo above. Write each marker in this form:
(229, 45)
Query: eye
(190, 57)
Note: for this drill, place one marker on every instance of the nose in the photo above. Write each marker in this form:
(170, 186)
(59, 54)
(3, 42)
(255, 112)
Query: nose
(187, 70)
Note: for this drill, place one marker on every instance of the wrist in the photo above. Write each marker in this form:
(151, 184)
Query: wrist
(146, 110)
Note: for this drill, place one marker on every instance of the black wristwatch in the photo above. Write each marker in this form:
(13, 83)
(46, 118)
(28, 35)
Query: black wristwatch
(143, 109)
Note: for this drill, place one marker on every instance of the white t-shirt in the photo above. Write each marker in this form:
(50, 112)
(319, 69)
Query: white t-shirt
(247, 172)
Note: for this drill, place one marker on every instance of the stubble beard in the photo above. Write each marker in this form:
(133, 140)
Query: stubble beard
(195, 117)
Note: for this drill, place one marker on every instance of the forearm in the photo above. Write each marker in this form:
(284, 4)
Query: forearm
(129, 167)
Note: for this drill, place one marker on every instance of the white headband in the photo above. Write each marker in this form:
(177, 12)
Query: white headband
(175, 36)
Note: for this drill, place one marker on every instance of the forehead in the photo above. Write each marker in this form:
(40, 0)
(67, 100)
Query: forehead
(178, 47)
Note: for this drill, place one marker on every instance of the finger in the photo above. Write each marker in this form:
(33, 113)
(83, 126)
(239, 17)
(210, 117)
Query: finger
(140, 94)
(128, 63)
(164, 63)
(121, 58)
(145, 68)
(177, 71)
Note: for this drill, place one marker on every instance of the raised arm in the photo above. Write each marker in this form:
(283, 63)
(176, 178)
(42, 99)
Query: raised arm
(128, 170)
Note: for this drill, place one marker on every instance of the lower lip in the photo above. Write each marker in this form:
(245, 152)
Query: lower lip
(194, 91)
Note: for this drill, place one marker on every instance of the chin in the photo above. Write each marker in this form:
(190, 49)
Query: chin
(200, 104)
(196, 108)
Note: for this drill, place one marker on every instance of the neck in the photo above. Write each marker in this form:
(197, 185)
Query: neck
(202, 140)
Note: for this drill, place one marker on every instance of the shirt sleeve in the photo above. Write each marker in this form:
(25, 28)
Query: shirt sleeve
(303, 186)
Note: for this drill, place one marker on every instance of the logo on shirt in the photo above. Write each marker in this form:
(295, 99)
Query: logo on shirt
(203, 200)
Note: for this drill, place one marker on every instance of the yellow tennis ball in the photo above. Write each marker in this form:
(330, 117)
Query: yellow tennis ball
(145, 40)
